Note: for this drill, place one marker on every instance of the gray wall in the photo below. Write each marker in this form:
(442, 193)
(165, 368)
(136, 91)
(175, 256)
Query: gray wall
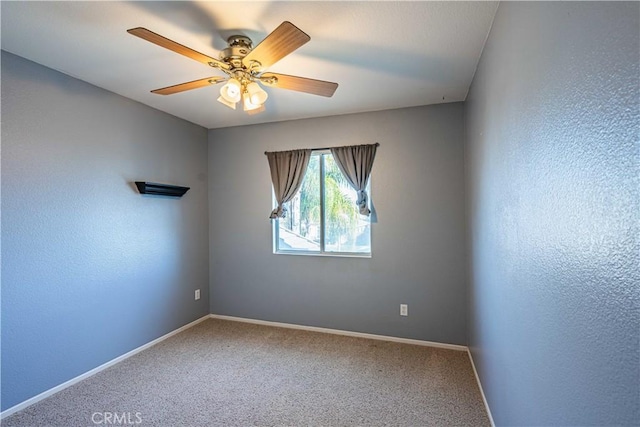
(418, 243)
(91, 269)
(552, 124)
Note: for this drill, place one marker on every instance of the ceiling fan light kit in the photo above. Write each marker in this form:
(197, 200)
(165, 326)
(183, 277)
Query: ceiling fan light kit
(222, 100)
(231, 91)
(245, 65)
(248, 104)
(257, 95)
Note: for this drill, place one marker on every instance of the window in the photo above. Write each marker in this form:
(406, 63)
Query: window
(323, 217)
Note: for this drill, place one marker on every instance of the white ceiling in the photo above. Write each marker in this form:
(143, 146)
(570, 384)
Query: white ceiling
(384, 55)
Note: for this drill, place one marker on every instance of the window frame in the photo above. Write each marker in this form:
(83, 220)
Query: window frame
(322, 252)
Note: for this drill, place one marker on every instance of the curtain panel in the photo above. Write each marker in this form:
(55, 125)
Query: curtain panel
(287, 172)
(355, 162)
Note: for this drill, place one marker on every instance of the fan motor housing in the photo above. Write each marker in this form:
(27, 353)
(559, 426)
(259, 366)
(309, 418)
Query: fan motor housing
(239, 47)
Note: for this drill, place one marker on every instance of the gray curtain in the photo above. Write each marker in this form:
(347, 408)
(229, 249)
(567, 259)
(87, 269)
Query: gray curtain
(355, 163)
(287, 172)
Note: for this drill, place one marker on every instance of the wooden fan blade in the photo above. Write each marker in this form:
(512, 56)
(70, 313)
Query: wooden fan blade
(281, 42)
(300, 84)
(170, 90)
(161, 41)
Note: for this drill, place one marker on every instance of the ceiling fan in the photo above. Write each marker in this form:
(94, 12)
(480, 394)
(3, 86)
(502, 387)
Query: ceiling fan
(245, 67)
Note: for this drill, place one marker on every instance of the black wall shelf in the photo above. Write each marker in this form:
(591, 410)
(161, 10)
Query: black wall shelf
(160, 189)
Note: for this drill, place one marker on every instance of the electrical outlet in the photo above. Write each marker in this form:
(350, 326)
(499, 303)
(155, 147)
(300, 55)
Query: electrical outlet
(404, 310)
(197, 294)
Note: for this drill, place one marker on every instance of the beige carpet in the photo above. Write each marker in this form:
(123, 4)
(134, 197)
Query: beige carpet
(221, 373)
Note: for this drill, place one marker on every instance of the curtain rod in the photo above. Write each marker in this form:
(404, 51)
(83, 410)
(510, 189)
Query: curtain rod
(377, 144)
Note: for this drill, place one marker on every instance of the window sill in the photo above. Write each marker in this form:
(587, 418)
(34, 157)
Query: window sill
(325, 254)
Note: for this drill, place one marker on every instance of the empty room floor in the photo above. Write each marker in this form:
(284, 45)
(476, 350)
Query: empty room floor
(224, 373)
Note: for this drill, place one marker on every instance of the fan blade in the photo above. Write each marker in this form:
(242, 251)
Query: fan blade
(281, 42)
(161, 41)
(170, 90)
(300, 84)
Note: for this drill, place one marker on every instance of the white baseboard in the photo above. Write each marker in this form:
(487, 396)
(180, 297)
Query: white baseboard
(94, 371)
(341, 332)
(484, 399)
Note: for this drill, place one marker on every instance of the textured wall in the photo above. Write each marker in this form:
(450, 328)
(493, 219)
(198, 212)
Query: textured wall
(552, 125)
(91, 269)
(418, 243)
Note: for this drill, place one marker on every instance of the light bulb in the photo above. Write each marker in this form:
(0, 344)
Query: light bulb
(257, 95)
(248, 105)
(231, 91)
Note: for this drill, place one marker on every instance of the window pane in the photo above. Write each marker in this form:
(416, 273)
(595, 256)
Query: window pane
(345, 229)
(300, 230)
